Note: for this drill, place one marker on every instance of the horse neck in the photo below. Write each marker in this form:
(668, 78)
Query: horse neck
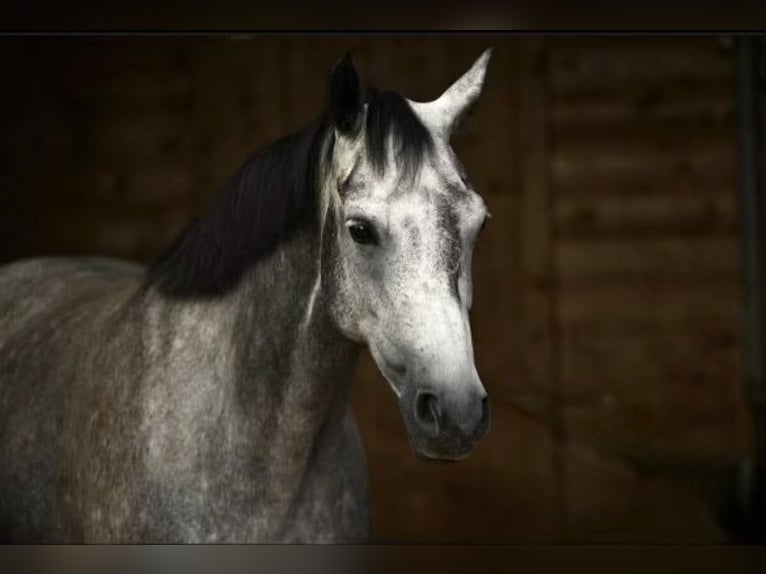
(271, 378)
(287, 342)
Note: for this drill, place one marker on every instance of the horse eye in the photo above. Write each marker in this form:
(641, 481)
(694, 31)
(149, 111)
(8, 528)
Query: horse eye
(362, 232)
(486, 220)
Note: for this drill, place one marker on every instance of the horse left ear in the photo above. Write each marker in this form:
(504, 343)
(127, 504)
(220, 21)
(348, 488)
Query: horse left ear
(345, 90)
(445, 112)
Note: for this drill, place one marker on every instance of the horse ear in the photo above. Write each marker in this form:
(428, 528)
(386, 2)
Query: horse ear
(447, 110)
(345, 96)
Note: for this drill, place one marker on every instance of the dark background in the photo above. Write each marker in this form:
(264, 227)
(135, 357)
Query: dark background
(607, 299)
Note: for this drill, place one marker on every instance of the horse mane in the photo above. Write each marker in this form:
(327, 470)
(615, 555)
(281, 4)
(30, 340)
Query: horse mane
(273, 195)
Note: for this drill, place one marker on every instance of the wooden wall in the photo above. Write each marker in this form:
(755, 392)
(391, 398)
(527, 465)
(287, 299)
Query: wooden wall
(642, 172)
(606, 315)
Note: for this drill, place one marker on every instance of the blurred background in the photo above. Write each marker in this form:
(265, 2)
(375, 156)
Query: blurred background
(608, 306)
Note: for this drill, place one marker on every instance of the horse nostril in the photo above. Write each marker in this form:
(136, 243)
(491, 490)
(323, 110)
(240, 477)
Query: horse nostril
(427, 412)
(483, 425)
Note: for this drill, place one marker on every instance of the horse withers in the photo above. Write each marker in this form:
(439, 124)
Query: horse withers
(205, 399)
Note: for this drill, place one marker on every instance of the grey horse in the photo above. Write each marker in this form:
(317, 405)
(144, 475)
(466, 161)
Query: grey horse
(205, 399)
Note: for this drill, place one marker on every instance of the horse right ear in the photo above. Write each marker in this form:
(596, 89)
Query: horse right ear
(345, 96)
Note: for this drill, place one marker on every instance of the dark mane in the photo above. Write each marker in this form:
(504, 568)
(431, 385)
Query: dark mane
(273, 195)
(270, 196)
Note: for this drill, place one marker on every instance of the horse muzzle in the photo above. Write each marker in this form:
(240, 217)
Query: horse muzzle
(445, 424)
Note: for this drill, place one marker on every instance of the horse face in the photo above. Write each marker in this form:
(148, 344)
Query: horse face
(402, 271)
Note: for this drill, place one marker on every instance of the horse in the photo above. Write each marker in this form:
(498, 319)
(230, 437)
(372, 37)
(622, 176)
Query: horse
(204, 398)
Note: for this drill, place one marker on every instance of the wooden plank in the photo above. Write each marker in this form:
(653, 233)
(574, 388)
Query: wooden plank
(637, 62)
(537, 232)
(644, 133)
(601, 364)
(642, 165)
(672, 425)
(541, 368)
(650, 215)
(654, 259)
(656, 305)
(715, 178)
(714, 101)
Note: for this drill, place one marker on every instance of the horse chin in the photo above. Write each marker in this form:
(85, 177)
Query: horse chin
(433, 455)
(440, 458)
